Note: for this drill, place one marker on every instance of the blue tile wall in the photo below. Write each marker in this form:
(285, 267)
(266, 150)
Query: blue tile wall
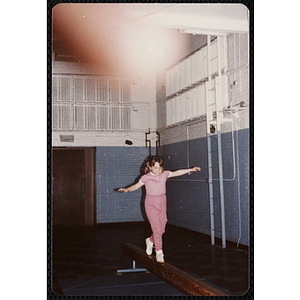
(188, 198)
(119, 167)
(188, 201)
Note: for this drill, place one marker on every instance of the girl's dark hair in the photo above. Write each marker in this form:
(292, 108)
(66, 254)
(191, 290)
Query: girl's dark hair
(152, 161)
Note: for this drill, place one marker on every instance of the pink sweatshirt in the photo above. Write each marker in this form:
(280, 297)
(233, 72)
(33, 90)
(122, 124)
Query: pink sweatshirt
(155, 185)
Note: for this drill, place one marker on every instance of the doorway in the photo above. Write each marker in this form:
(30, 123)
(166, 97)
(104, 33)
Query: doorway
(73, 186)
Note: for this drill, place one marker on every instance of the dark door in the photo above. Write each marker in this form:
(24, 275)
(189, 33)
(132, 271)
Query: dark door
(68, 178)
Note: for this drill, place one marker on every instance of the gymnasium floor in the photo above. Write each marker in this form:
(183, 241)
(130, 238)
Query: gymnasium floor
(85, 261)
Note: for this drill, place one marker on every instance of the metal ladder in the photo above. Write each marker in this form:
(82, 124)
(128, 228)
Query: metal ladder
(216, 89)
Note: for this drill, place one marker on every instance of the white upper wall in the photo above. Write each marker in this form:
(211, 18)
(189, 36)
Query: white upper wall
(143, 111)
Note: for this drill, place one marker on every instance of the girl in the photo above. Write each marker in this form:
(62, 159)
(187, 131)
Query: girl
(156, 202)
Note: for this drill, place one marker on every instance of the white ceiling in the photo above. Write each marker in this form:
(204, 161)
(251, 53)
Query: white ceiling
(197, 18)
(112, 32)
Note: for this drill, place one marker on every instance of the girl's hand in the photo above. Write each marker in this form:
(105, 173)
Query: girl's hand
(123, 190)
(195, 169)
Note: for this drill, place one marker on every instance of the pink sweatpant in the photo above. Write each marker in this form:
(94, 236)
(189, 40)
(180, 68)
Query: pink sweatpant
(156, 211)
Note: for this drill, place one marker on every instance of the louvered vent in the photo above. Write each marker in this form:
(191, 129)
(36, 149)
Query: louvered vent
(67, 138)
(91, 103)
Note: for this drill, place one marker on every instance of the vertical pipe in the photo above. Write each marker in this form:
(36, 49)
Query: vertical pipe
(225, 75)
(239, 186)
(188, 147)
(219, 94)
(210, 182)
(221, 189)
(210, 185)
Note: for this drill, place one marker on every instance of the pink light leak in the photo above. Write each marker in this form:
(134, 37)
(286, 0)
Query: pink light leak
(100, 34)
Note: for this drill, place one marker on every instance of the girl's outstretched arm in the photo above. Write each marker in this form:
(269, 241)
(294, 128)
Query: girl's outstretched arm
(132, 188)
(184, 171)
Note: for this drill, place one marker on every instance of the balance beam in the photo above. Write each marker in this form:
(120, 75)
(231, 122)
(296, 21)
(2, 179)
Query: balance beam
(180, 280)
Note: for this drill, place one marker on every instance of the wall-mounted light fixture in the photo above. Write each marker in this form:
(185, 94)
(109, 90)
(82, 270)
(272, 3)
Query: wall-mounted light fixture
(128, 142)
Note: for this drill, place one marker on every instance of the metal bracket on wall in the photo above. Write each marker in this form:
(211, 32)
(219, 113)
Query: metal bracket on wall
(157, 142)
(148, 142)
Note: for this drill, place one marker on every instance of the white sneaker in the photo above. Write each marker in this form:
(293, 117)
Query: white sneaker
(160, 256)
(149, 246)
